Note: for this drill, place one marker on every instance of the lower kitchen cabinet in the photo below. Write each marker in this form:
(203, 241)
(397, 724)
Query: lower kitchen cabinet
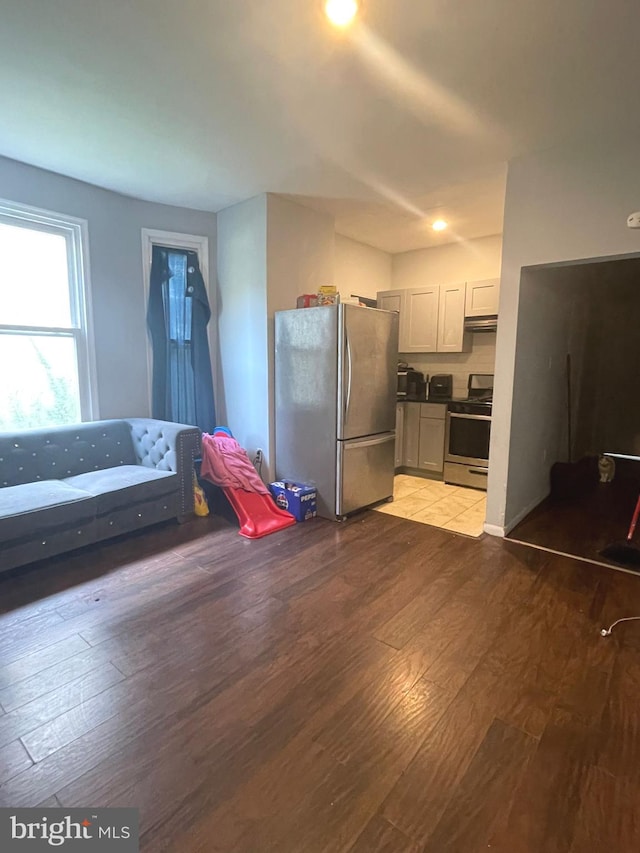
(420, 433)
(431, 444)
(399, 434)
(411, 435)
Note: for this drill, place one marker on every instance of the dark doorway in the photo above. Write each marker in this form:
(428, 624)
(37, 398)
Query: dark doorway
(592, 313)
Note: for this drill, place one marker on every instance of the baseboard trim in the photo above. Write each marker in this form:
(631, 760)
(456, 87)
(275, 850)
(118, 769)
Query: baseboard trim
(505, 530)
(525, 512)
(589, 560)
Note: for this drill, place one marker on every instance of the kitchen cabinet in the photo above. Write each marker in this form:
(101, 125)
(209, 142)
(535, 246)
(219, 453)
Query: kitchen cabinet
(390, 300)
(423, 432)
(411, 435)
(399, 435)
(451, 334)
(431, 318)
(431, 437)
(420, 320)
(482, 297)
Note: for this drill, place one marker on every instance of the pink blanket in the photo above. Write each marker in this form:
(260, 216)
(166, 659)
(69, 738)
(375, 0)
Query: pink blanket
(225, 463)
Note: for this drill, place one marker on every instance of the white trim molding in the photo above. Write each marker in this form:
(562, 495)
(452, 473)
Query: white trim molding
(494, 530)
(76, 233)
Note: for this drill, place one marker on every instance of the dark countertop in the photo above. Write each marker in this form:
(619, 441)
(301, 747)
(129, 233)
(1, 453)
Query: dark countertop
(422, 400)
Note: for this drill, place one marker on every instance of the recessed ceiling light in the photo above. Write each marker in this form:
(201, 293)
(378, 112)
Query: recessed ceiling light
(439, 225)
(341, 12)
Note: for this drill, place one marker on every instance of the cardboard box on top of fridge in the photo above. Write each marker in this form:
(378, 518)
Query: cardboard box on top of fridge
(307, 300)
(327, 295)
(300, 499)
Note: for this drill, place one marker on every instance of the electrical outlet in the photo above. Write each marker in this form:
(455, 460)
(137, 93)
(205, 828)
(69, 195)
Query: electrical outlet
(258, 455)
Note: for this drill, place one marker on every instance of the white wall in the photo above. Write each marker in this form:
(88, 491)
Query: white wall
(270, 250)
(561, 205)
(243, 383)
(480, 359)
(300, 252)
(471, 260)
(300, 258)
(115, 250)
(360, 269)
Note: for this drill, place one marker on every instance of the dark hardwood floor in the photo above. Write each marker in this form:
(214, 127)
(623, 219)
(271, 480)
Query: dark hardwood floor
(379, 685)
(584, 524)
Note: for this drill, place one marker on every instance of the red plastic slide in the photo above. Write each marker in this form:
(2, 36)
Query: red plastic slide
(227, 465)
(258, 515)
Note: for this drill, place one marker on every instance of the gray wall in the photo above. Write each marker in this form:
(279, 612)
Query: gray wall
(608, 403)
(562, 204)
(115, 256)
(553, 321)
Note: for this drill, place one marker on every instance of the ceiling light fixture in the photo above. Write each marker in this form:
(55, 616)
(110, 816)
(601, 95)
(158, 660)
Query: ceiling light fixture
(341, 12)
(439, 225)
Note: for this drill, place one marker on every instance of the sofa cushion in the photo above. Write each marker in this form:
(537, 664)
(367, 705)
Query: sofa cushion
(32, 508)
(125, 485)
(55, 453)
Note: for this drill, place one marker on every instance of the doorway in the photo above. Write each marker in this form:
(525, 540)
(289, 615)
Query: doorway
(576, 397)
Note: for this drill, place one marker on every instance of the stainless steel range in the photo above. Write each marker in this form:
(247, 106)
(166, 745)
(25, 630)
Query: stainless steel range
(468, 430)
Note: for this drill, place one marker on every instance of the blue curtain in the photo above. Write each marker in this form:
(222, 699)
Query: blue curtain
(177, 317)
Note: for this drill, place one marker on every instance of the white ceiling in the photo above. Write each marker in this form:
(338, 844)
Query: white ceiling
(411, 114)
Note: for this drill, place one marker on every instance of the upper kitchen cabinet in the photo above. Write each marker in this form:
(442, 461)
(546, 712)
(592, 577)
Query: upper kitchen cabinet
(419, 321)
(482, 297)
(431, 318)
(390, 300)
(451, 333)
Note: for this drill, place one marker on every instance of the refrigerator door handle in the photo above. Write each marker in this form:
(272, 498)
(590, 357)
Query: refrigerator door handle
(369, 442)
(349, 372)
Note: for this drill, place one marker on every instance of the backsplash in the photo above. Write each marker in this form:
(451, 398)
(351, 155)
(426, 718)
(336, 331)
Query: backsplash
(480, 359)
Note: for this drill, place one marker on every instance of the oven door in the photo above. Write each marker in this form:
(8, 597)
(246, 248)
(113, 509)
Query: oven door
(467, 439)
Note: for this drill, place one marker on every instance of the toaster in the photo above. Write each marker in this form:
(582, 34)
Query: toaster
(441, 386)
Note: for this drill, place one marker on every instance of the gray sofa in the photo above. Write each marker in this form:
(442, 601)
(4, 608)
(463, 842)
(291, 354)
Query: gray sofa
(64, 487)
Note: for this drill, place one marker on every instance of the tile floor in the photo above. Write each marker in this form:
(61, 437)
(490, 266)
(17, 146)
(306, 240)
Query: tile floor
(432, 502)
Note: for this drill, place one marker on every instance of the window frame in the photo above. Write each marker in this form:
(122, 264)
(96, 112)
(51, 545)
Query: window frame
(173, 240)
(76, 234)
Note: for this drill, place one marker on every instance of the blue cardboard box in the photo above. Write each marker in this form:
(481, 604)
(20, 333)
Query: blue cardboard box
(299, 499)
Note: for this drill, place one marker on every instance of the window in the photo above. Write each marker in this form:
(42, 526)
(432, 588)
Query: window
(45, 352)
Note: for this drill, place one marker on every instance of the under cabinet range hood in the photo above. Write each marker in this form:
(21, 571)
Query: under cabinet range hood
(488, 323)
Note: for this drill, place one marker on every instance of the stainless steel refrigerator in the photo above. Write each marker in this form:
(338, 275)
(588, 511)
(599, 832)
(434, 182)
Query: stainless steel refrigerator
(335, 396)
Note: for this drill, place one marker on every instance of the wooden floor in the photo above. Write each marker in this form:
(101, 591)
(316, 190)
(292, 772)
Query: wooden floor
(584, 524)
(379, 685)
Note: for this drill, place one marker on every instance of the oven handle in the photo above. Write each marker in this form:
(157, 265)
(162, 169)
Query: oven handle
(484, 472)
(470, 417)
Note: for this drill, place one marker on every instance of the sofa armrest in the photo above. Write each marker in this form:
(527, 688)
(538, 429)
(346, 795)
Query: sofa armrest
(168, 447)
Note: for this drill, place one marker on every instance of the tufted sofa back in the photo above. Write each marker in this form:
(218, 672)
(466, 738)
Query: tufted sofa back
(58, 452)
(154, 443)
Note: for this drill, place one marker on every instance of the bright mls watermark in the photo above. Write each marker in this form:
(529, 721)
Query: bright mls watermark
(80, 830)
